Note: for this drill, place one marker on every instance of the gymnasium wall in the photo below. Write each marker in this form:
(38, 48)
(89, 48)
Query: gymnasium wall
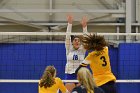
(28, 61)
(129, 67)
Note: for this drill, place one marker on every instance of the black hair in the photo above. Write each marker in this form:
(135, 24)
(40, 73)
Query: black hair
(73, 37)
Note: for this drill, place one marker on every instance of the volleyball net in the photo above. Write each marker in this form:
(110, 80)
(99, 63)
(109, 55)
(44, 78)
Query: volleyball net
(65, 81)
(24, 55)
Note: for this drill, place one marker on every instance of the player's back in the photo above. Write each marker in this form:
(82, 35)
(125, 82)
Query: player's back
(58, 85)
(100, 63)
(100, 66)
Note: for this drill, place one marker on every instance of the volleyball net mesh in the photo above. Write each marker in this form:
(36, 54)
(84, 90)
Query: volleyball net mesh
(24, 55)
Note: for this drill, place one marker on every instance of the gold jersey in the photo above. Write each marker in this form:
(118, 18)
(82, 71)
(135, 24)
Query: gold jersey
(58, 85)
(99, 62)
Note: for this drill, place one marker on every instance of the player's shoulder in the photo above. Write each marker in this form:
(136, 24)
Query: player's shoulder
(57, 79)
(106, 47)
(92, 53)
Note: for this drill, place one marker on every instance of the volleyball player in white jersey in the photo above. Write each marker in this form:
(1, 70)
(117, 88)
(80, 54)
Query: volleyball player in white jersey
(74, 51)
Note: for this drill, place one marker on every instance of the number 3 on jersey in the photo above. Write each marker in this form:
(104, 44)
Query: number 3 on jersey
(103, 60)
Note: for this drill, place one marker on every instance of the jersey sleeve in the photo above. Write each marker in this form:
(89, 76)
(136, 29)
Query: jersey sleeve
(68, 38)
(87, 60)
(61, 86)
(84, 33)
(85, 30)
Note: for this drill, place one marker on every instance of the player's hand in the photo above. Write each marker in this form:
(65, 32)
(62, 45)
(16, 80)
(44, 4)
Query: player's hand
(70, 19)
(84, 21)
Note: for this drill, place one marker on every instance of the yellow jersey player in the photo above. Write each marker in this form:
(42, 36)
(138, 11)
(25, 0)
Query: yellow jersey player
(49, 83)
(99, 62)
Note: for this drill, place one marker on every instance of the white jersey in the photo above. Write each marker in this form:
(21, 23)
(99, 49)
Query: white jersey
(74, 59)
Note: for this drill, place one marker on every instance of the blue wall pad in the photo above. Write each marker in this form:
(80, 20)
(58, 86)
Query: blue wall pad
(18, 87)
(28, 61)
(129, 61)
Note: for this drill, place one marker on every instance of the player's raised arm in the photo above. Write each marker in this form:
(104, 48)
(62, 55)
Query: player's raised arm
(68, 37)
(84, 24)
